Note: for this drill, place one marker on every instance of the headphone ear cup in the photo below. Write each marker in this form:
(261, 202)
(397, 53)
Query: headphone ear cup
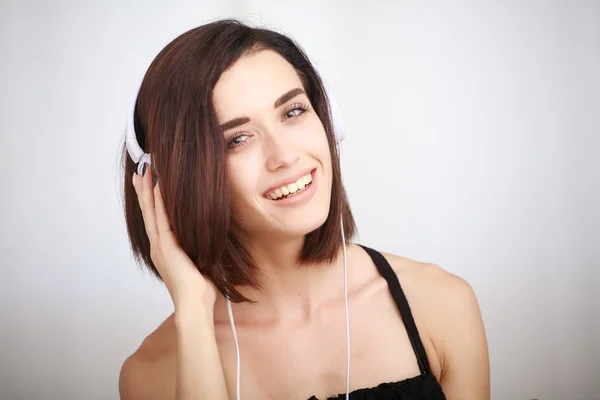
(336, 116)
(338, 126)
(145, 159)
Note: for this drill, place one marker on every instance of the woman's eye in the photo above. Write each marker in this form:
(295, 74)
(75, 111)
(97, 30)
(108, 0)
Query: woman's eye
(238, 140)
(293, 113)
(295, 110)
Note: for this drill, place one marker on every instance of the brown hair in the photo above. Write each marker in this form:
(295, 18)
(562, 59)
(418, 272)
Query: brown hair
(176, 122)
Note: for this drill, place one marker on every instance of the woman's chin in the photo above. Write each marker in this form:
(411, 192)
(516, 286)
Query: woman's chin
(284, 223)
(297, 227)
(299, 230)
(286, 228)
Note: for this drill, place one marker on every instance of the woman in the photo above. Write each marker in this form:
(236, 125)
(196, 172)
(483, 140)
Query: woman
(247, 206)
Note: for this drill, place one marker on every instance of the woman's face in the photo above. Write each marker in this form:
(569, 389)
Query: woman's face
(278, 159)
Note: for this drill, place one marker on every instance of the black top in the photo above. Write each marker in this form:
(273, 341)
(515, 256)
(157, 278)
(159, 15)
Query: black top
(421, 387)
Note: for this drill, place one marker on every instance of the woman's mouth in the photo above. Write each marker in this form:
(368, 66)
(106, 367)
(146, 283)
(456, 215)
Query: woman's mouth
(291, 189)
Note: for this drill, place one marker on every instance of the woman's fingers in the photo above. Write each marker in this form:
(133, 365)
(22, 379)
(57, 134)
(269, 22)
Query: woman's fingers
(143, 188)
(162, 221)
(177, 270)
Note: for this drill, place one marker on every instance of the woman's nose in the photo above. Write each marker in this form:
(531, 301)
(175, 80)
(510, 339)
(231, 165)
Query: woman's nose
(280, 150)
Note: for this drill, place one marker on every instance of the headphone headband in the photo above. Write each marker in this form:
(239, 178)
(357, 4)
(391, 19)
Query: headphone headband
(139, 157)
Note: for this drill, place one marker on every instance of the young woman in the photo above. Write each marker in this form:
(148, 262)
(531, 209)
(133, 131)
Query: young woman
(243, 206)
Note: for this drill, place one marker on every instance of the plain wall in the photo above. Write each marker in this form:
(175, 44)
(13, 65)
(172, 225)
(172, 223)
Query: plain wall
(472, 138)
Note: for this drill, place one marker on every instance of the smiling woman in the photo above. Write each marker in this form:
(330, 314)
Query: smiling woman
(280, 145)
(241, 201)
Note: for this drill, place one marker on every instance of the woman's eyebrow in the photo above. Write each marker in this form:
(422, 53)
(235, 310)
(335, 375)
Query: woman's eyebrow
(288, 96)
(234, 123)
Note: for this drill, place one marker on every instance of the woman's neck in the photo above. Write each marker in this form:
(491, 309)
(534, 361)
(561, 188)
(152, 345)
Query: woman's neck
(288, 288)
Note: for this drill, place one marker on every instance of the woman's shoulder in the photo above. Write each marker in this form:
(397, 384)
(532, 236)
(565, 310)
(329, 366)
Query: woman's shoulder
(424, 282)
(429, 280)
(444, 306)
(442, 296)
(148, 373)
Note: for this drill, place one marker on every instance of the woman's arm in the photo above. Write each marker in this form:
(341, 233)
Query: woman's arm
(447, 315)
(460, 336)
(178, 360)
(199, 370)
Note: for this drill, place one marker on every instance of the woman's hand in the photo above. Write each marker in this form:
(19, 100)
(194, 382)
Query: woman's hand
(185, 283)
(199, 372)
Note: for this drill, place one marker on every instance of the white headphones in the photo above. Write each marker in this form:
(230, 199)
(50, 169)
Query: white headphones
(140, 157)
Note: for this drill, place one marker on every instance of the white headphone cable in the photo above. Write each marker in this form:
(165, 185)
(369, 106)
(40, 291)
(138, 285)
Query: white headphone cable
(345, 293)
(237, 348)
(347, 319)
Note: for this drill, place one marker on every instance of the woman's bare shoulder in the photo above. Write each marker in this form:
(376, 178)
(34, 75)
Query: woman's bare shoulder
(149, 373)
(428, 279)
(445, 306)
(439, 296)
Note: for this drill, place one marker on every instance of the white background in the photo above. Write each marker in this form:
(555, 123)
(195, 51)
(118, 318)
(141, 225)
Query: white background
(472, 138)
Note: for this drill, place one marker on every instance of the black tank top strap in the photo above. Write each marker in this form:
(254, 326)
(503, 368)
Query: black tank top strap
(411, 328)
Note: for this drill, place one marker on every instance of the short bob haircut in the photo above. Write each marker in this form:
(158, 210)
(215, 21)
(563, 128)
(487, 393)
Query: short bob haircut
(176, 122)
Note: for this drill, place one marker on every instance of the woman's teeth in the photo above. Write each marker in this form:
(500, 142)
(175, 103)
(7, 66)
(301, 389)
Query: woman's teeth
(292, 188)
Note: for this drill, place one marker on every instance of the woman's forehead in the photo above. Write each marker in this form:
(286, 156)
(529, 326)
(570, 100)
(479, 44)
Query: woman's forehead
(253, 82)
